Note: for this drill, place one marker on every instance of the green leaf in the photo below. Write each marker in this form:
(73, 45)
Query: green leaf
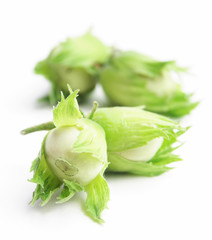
(132, 127)
(47, 183)
(128, 128)
(91, 140)
(42, 67)
(153, 167)
(68, 191)
(164, 155)
(143, 65)
(120, 164)
(35, 164)
(67, 112)
(178, 105)
(132, 79)
(76, 62)
(83, 51)
(98, 195)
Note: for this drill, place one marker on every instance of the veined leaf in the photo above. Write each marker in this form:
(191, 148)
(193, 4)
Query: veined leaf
(98, 195)
(67, 112)
(47, 182)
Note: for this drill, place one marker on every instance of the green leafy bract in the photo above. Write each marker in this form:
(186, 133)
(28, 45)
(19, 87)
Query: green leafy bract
(89, 140)
(132, 79)
(67, 112)
(143, 65)
(83, 51)
(97, 197)
(76, 62)
(68, 191)
(120, 164)
(88, 149)
(132, 127)
(47, 182)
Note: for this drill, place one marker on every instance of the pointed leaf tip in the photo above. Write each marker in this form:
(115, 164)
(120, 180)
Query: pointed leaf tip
(69, 89)
(67, 112)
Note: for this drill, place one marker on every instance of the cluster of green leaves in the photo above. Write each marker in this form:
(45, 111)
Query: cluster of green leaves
(132, 127)
(67, 114)
(125, 128)
(75, 62)
(130, 79)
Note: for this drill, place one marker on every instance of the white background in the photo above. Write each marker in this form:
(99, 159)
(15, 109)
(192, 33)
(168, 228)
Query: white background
(176, 205)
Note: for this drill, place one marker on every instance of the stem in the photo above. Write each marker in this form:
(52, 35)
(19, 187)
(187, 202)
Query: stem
(95, 106)
(43, 126)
